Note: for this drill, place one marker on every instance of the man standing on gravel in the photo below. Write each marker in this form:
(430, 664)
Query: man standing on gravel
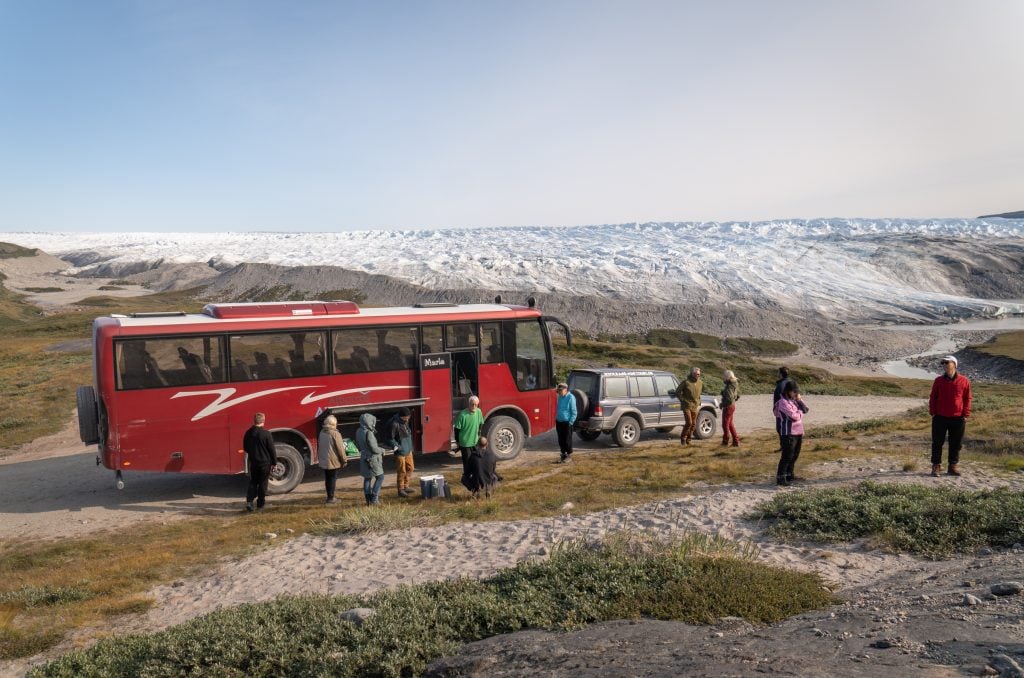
(565, 417)
(688, 392)
(259, 446)
(950, 405)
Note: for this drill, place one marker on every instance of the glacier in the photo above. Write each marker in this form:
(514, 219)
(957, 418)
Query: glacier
(859, 269)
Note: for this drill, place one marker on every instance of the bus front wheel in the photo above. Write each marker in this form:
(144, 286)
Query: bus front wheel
(505, 437)
(288, 473)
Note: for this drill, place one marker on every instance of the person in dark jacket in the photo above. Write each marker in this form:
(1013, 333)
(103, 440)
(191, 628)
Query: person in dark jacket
(259, 446)
(950, 405)
(478, 461)
(399, 438)
(730, 394)
(780, 385)
(371, 458)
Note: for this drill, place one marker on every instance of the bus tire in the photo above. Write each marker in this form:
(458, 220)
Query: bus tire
(88, 415)
(584, 434)
(293, 467)
(627, 431)
(705, 427)
(504, 436)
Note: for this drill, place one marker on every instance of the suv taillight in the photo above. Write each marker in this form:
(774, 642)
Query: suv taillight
(598, 411)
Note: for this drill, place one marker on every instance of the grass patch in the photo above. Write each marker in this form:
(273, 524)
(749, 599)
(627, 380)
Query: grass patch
(43, 290)
(756, 374)
(45, 596)
(9, 250)
(385, 518)
(928, 521)
(1007, 345)
(110, 288)
(580, 584)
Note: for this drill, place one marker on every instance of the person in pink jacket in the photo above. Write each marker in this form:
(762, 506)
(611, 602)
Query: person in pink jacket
(789, 411)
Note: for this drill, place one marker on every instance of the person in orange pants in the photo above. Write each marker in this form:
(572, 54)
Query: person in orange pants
(688, 392)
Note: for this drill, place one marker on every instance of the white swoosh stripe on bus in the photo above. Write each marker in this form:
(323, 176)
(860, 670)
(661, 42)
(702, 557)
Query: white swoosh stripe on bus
(313, 398)
(223, 394)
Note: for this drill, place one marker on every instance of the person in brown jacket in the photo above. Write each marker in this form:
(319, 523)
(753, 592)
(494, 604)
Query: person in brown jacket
(331, 450)
(688, 392)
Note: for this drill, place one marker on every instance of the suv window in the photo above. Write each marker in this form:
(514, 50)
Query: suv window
(615, 387)
(585, 381)
(643, 387)
(666, 383)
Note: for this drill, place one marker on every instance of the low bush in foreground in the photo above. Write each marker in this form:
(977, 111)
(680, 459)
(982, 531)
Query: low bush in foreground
(930, 521)
(696, 580)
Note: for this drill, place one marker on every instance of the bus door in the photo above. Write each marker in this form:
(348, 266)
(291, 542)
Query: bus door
(435, 390)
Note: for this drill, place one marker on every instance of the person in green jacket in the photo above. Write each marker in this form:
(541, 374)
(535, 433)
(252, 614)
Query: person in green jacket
(688, 392)
(467, 435)
(730, 394)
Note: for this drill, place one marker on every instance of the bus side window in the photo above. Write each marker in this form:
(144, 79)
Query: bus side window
(241, 371)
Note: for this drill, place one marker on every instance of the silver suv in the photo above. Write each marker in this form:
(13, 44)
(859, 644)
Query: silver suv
(622, 402)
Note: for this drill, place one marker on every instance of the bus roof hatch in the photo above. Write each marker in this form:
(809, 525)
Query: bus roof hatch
(280, 309)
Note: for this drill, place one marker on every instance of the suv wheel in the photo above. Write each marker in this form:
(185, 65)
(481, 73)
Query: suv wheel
(705, 427)
(627, 431)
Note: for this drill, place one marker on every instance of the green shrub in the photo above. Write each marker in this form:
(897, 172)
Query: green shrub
(930, 521)
(620, 579)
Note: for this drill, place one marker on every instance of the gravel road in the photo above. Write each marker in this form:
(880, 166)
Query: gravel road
(51, 488)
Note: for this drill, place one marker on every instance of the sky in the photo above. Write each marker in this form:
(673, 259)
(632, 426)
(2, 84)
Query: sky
(247, 115)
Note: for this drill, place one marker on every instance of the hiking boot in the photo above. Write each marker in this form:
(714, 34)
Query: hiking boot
(954, 470)
(248, 506)
(936, 470)
(735, 443)
(329, 500)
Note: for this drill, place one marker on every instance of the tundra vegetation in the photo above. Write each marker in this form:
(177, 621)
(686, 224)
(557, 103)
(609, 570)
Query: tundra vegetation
(52, 588)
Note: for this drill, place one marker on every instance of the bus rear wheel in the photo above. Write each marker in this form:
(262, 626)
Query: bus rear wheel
(288, 473)
(504, 436)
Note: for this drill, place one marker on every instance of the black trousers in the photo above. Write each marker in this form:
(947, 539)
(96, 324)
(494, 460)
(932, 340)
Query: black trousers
(564, 430)
(954, 427)
(790, 451)
(330, 481)
(258, 477)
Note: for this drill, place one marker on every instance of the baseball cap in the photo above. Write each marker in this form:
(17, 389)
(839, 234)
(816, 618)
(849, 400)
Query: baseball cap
(950, 359)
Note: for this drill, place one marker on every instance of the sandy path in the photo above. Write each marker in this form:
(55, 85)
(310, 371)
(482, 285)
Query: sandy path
(367, 563)
(51, 488)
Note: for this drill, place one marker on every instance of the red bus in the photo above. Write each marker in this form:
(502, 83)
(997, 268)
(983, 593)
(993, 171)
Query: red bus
(176, 391)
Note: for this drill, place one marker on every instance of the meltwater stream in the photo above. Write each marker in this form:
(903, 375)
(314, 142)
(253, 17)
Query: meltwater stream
(946, 343)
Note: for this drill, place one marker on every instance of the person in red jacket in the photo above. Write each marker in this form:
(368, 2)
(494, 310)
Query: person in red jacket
(949, 405)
